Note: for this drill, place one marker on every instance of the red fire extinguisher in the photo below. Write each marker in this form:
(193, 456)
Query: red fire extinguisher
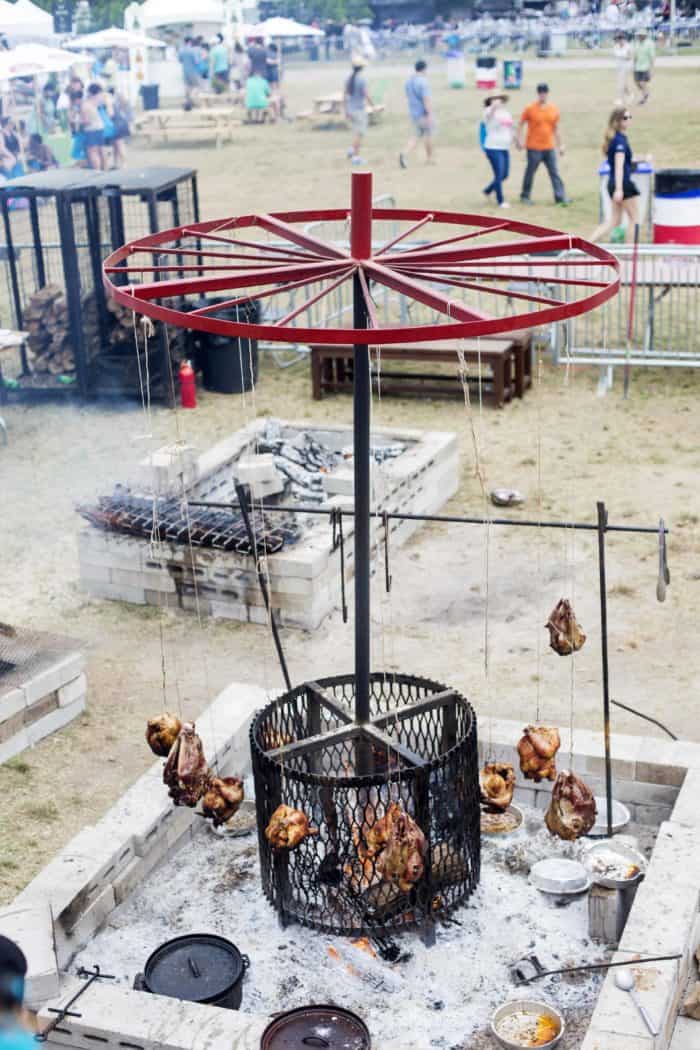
(188, 386)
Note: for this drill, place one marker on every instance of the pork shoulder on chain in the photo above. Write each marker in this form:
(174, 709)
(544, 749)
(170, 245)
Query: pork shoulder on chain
(565, 634)
(398, 847)
(572, 811)
(186, 772)
(497, 782)
(537, 749)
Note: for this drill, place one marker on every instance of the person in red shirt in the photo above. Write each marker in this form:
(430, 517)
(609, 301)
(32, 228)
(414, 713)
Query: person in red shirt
(542, 141)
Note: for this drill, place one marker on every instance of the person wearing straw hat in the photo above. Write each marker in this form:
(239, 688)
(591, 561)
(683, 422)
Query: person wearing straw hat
(356, 98)
(499, 136)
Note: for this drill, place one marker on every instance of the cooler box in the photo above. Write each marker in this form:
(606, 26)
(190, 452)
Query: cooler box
(642, 174)
(456, 76)
(677, 206)
(486, 73)
(512, 74)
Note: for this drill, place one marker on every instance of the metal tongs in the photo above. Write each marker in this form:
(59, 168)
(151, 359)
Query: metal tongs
(664, 574)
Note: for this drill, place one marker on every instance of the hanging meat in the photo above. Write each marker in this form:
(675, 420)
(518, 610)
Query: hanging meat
(288, 827)
(186, 772)
(398, 847)
(222, 799)
(565, 634)
(537, 749)
(162, 732)
(497, 782)
(572, 811)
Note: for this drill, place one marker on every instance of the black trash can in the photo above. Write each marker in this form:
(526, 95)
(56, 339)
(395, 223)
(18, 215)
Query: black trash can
(150, 96)
(229, 366)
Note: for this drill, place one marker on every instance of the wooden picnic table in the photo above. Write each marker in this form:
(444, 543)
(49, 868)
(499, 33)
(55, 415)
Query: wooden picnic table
(330, 109)
(171, 125)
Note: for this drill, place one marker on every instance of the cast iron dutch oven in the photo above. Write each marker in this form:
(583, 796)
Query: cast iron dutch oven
(316, 1028)
(199, 967)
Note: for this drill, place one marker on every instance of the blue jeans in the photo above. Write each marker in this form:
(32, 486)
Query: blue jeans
(500, 162)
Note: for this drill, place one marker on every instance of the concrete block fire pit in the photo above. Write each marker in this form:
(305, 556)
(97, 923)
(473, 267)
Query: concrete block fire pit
(42, 687)
(145, 871)
(415, 471)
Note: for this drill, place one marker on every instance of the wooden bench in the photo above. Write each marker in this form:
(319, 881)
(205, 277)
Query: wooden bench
(174, 125)
(507, 363)
(327, 115)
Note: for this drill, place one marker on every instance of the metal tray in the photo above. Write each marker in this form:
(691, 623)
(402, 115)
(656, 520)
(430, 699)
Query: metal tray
(560, 876)
(620, 813)
(627, 854)
(501, 823)
(529, 1006)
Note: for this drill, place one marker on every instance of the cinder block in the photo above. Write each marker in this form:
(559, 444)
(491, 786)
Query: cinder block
(48, 681)
(69, 941)
(72, 691)
(652, 815)
(91, 572)
(13, 746)
(138, 869)
(687, 810)
(685, 754)
(658, 762)
(113, 593)
(11, 702)
(31, 927)
(154, 579)
(54, 721)
(686, 1034)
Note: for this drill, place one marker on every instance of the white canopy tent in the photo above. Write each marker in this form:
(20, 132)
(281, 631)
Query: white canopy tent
(114, 37)
(284, 28)
(154, 13)
(24, 20)
(33, 60)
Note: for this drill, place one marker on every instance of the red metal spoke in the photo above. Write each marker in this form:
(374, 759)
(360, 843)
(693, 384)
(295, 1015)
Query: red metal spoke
(191, 285)
(175, 268)
(290, 253)
(536, 245)
(202, 254)
(415, 268)
(456, 282)
(407, 233)
(304, 240)
(369, 302)
(308, 303)
(283, 286)
(526, 264)
(446, 240)
(406, 286)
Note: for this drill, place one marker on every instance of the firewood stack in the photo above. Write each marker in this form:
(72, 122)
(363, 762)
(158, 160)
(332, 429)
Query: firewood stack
(48, 344)
(121, 336)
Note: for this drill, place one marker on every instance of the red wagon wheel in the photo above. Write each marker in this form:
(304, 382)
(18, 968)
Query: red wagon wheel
(253, 257)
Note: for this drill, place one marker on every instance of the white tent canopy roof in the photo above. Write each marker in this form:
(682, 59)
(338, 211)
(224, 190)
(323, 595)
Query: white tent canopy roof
(27, 60)
(154, 13)
(284, 27)
(25, 19)
(114, 38)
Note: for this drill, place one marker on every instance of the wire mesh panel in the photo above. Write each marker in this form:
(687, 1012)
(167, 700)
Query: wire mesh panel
(394, 806)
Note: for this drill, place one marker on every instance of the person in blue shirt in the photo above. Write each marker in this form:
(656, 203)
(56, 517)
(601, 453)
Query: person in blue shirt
(189, 60)
(420, 108)
(13, 968)
(621, 188)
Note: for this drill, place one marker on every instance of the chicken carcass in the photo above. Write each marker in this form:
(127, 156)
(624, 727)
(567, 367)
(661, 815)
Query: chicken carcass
(186, 772)
(162, 732)
(398, 847)
(222, 799)
(288, 827)
(572, 811)
(537, 749)
(565, 634)
(497, 782)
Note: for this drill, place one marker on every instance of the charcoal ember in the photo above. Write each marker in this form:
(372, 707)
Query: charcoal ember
(565, 634)
(162, 732)
(537, 749)
(572, 811)
(186, 772)
(497, 783)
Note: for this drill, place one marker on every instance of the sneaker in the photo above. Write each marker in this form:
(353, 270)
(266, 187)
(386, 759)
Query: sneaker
(357, 160)
(402, 161)
(487, 193)
(505, 204)
(564, 203)
(525, 200)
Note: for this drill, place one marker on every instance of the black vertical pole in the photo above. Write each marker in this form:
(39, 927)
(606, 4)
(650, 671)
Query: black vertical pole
(361, 452)
(602, 525)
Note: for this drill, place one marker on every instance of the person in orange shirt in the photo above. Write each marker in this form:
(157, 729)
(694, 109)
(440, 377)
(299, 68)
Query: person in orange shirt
(542, 141)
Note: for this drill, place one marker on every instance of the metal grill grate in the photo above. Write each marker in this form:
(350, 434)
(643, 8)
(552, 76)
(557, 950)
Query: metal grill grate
(328, 882)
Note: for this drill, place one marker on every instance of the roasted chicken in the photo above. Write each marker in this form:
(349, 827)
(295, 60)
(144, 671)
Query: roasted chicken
(287, 828)
(537, 749)
(565, 635)
(497, 782)
(572, 811)
(162, 732)
(186, 772)
(222, 799)
(398, 847)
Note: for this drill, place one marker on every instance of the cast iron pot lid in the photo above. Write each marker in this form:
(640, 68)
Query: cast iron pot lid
(199, 967)
(316, 1028)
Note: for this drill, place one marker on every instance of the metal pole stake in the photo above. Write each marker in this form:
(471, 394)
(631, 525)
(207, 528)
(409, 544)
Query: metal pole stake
(602, 524)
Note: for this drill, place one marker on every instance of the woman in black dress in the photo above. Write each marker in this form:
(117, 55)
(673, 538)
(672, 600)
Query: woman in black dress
(622, 190)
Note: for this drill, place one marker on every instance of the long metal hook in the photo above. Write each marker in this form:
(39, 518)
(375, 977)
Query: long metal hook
(339, 542)
(664, 574)
(387, 573)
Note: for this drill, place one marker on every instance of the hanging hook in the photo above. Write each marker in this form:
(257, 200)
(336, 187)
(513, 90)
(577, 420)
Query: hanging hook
(387, 574)
(338, 541)
(664, 574)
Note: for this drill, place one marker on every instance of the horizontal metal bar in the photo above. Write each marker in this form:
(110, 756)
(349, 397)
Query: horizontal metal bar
(314, 743)
(328, 702)
(429, 703)
(396, 746)
(449, 519)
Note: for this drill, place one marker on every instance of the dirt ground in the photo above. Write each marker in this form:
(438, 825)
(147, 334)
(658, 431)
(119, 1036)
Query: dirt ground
(640, 455)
